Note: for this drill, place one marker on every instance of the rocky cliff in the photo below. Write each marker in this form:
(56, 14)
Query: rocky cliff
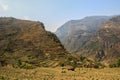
(105, 44)
(75, 33)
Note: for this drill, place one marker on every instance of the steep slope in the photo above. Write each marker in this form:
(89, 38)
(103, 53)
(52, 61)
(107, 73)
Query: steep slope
(27, 43)
(105, 44)
(75, 33)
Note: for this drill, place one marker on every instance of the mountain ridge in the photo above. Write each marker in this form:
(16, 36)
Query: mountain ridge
(27, 43)
(75, 33)
(105, 43)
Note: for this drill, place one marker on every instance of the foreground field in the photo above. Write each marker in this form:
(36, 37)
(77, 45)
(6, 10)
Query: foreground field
(8, 73)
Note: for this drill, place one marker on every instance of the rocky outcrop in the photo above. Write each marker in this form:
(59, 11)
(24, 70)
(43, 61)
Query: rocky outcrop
(75, 33)
(105, 44)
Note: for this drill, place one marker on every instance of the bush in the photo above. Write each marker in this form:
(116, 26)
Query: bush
(27, 66)
(24, 65)
(112, 65)
(62, 65)
(3, 63)
(99, 65)
(118, 62)
(2, 77)
(96, 66)
(17, 64)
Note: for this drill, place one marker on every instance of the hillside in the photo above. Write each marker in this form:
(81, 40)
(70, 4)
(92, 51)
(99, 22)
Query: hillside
(26, 43)
(75, 33)
(105, 44)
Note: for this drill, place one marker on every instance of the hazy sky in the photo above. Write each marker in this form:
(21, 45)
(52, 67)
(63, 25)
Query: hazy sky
(54, 13)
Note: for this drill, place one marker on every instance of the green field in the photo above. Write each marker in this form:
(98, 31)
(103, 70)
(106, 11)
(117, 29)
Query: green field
(9, 73)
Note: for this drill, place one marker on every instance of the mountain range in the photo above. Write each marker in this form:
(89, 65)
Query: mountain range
(95, 37)
(75, 33)
(104, 45)
(26, 44)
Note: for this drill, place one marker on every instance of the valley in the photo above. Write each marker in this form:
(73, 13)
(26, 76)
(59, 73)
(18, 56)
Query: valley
(29, 52)
(95, 37)
(59, 39)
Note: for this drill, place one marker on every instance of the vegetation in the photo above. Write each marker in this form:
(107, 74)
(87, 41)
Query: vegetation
(117, 64)
(26, 44)
(28, 52)
(58, 73)
(90, 35)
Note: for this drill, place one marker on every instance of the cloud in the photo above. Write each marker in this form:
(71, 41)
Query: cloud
(4, 6)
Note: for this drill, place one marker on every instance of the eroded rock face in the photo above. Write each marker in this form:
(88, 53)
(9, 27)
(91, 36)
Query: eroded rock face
(106, 42)
(75, 33)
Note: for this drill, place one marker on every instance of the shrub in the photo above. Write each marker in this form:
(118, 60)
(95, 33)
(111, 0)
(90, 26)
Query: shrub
(62, 65)
(112, 65)
(17, 64)
(99, 65)
(27, 66)
(96, 66)
(2, 77)
(118, 62)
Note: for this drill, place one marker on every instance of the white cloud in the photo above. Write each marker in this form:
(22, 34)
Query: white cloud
(4, 7)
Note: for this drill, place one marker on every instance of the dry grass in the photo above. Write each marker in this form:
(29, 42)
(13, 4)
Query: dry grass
(59, 74)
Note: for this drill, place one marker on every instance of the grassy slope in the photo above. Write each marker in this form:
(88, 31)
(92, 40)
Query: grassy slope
(56, 74)
(28, 42)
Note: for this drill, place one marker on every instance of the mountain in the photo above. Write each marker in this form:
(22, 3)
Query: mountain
(26, 43)
(104, 45)
(75, 33)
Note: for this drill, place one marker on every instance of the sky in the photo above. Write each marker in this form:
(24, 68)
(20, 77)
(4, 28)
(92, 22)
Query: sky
(54, 13)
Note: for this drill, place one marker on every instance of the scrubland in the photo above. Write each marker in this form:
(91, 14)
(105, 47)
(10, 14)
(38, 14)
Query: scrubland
(9, 73)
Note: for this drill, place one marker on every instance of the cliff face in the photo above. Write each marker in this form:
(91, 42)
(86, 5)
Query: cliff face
(105, 44)
(75, 33)
(94, 37)
(28, 41)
